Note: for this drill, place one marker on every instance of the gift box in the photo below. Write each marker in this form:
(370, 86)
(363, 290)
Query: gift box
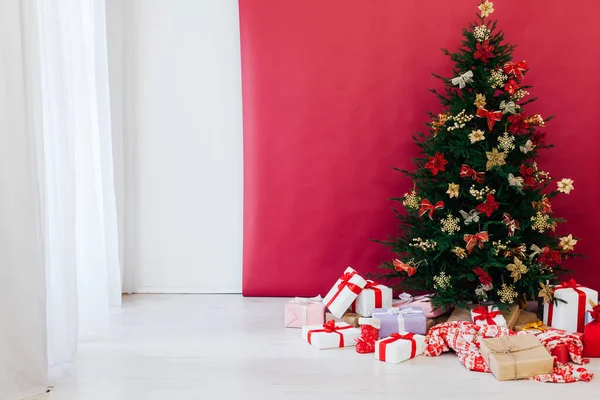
(331, 335)
(372, 296)
(304, 311)
(394, 320)
(344, 292)
(406, 300)
(488, 315)
(570, 316)
(516, 357)
(399, 347)
(532, 327)
(349, 317)
(511, 315)
(591, 335)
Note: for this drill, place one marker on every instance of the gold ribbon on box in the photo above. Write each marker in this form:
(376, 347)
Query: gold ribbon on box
(537, 325)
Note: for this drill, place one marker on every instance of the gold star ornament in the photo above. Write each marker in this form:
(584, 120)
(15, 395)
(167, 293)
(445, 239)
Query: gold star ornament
(495, 159)
(453, 189)
(567, 243)
(517, 269)
(546, 293)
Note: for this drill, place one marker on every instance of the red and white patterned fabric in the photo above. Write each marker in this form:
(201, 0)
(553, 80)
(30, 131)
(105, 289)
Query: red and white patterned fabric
(565, 373)
(465, 337)
(552, 338)
(369, 334)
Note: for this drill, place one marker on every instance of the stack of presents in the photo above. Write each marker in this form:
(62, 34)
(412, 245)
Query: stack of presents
(512, 342)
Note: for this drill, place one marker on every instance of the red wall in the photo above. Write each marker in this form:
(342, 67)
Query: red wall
(333, 90)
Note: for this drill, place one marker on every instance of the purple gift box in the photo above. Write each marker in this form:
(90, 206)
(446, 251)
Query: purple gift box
(396, 320)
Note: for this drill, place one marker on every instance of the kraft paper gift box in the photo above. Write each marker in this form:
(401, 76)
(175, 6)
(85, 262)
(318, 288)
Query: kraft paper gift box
(394, 320)
(304, 311)
(349, 317)
(516, 357)
(571, 316)
(372, 296)
(511, 315)
(488, 315)
(532, 327)
(406, 300)
(344, 292)
(331, 335)
(399, 347)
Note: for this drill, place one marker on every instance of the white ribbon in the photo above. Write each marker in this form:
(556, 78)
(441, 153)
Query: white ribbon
(509, 107)
(408, 298)
(536, 250)
(463, 79)
(305, 301)
(515, 181)
(401, 314)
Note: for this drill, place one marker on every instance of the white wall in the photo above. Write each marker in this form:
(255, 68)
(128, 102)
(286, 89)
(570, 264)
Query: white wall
(182, 145)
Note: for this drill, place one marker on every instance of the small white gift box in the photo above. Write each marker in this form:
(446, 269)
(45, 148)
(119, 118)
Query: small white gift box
(372, 296)
(488, 315)
(331, 335)
(344, 292)
(571, 316)
(399, 347)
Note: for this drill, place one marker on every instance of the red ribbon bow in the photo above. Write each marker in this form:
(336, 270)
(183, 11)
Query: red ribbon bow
(468, 172)
(492, 116)
(329, 327)
(427, 206)
(394, 337)
(345, 282)
(400, 266)
(571, 284)
(474, 240)
(516, 69)
(378, 293)
(484, 315)
(511, 224)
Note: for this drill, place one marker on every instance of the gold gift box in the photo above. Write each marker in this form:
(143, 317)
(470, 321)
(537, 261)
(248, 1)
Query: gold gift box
(349, 317)
(516, 357)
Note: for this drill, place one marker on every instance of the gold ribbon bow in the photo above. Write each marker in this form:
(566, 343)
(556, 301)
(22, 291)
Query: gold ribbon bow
(537, 325)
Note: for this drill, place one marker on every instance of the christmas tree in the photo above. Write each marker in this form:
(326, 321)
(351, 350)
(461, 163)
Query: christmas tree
(478, 224)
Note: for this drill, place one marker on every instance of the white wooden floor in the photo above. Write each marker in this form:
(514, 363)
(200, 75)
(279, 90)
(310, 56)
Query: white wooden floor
(187, 347)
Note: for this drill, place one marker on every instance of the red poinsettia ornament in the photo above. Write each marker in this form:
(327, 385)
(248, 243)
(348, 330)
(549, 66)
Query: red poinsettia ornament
(511, 87)
(436, 163)
(518, 124)
(550, 257)
(484, 51)
(527, 175)
(484, 278)
(488, 206)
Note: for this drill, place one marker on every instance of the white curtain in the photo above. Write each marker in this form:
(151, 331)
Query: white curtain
(22, 288)
(80, 220)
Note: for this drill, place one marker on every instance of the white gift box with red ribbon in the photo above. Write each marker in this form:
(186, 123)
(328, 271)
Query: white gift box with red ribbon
(488, 315)
(372, 296)
(331, 335)
(571, 316)
(344, 292)
(399, 347)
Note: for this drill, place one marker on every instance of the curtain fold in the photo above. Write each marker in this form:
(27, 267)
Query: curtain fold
(80, 220)
(22, 287)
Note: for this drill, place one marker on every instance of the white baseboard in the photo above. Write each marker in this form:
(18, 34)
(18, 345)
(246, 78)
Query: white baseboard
(188, 290)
